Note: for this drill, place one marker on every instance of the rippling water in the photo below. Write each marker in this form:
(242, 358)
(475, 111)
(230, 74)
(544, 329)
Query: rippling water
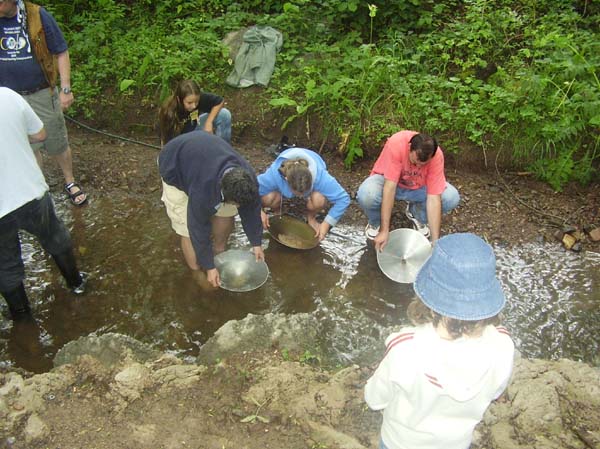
(140, 287)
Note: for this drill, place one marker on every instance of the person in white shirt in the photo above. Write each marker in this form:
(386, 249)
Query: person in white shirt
(25, 204)
(437, 378)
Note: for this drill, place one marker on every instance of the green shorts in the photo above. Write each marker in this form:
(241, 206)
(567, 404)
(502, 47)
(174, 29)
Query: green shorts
(46, 104)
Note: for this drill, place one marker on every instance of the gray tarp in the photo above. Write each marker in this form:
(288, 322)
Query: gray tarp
(255, 61)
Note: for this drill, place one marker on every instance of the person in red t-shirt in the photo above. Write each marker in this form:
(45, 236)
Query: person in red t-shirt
(409, 168)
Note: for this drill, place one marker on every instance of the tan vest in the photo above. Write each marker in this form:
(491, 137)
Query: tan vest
(37, 37)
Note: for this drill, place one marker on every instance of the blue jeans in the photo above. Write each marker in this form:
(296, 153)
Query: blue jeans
(221, 124)
(370, 195)
(38, 218)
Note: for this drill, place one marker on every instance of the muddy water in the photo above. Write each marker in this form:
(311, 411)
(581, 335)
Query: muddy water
(140, 287)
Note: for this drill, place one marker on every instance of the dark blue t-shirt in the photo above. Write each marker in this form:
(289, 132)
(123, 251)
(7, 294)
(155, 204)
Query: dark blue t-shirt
(19, 70)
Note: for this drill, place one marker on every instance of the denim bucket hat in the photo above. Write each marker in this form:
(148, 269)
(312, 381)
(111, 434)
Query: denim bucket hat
(459, 279)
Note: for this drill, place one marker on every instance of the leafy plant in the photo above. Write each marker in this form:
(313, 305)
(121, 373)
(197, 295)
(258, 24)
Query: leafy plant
(309, 358)
(508, 74)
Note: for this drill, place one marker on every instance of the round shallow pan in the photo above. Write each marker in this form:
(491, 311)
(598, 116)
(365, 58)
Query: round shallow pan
(404, 255)
(239, 270)
(291, 232)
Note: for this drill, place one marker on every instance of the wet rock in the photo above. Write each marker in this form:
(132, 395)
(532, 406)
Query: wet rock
(257, 332)
(108, 349)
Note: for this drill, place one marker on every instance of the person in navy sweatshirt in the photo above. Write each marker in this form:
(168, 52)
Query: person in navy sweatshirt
(205, 184)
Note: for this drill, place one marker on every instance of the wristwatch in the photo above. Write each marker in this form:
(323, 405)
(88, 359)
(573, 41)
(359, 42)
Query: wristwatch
(66, 90)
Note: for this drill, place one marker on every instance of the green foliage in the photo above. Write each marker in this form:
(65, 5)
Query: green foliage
(309, 358)
(507, 74)
(504, 75)
(147, 59)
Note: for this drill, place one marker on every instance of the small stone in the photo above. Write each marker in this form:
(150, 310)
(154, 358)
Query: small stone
(558, 235)
(594, 235)
(576, 247)
(35, 428)
(568, 241)
(568, 229)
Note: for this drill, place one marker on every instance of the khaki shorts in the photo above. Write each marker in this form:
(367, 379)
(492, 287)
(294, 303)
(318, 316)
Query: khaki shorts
(176, 203)
(46, 104)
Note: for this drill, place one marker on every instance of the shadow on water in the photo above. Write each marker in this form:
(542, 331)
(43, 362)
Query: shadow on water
(139, 286)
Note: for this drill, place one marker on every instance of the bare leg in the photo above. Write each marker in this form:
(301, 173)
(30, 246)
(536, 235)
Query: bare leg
(221, 229)
(189, 253)
(190, 257)
(315, 203)
(65, 162)
(272, 200)
(202, 281)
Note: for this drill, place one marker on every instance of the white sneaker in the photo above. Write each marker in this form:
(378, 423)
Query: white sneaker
(421, 227)
(371, 231)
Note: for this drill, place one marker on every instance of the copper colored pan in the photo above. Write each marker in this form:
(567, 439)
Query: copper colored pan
(291, 232)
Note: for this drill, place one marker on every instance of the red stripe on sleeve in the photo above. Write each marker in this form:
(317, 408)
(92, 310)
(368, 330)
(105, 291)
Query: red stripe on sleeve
(399, 339)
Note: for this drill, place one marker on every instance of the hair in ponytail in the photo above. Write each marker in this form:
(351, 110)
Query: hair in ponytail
(297, 174)
(172, 113)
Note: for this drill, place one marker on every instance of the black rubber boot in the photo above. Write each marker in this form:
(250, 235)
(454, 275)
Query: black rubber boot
(18, 304)
(68, 268)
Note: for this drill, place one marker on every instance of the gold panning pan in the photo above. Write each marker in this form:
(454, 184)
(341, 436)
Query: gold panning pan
(239, 270)
(404, 255)
(291, 232)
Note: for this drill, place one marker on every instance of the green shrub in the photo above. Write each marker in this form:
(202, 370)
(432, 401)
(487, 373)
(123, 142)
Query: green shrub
(506, 74)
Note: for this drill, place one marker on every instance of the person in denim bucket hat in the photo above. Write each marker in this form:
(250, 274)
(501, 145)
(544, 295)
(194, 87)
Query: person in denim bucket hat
(459, 279)
(438, 377)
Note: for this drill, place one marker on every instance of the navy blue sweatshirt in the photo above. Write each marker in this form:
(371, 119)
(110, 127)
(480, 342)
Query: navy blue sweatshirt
(195, 163)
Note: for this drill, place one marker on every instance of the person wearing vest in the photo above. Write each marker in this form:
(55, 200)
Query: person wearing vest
(34, 57)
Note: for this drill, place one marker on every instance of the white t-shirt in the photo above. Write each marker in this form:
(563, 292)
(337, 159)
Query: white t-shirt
(21, 179)
(435, 391)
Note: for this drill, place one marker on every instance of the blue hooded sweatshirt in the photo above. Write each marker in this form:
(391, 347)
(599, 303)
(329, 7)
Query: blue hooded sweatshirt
(273, 181)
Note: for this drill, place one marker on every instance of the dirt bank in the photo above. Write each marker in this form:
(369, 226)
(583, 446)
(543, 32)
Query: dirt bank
(113, 397)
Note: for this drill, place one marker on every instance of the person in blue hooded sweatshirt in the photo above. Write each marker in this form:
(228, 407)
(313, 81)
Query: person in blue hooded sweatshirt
(299, 172)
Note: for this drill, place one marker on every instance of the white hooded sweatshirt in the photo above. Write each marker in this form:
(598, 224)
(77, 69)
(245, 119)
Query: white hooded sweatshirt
(434, 391)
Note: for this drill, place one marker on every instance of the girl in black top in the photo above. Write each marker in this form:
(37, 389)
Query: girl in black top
(181, 111)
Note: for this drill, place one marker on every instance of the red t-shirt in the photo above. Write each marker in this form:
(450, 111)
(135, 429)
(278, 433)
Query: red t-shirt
(393, 163)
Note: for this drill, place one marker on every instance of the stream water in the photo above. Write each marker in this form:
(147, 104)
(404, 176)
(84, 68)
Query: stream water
(139, 286)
